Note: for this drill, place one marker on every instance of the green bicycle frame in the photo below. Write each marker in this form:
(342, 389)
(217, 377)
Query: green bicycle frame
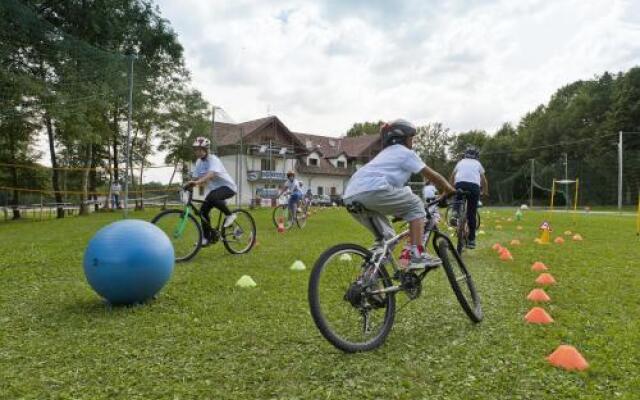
(183, 222)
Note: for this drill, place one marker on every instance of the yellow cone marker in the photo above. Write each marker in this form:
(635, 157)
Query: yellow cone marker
(246, 281)
(297, 266)
(346, 257)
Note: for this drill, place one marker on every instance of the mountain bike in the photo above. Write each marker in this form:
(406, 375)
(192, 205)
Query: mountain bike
(186, 234)
(352, 289)
(460, 221)
(281, 212)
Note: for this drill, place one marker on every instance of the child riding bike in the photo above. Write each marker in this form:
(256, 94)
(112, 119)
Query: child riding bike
(294, 188)
(378, 186)
(219, 185)
(469, 176)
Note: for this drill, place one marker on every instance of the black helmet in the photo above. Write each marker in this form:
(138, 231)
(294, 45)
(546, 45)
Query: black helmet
(396, 132)
(472, 152)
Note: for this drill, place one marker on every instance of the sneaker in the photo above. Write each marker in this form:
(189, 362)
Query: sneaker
(424, 261)
(228, 220)
(471, 244)
(205, 242)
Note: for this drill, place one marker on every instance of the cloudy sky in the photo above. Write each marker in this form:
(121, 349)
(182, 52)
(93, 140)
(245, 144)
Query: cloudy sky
(322, 65)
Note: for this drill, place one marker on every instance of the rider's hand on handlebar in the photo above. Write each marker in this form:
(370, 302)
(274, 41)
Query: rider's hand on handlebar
(189, 185)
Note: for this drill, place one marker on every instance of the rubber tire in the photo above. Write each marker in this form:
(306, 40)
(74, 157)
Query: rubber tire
(306, 212)
(194, 221)
(474, 312)
(316, 312)
(253, 240)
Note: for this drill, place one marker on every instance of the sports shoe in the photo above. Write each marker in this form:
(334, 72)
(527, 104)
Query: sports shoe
(205, 242)
(471, 244)
(424, 260)
(228, 220)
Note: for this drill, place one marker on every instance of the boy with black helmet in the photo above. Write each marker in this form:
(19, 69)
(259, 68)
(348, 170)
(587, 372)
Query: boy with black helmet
(379, 186)
(468, 175)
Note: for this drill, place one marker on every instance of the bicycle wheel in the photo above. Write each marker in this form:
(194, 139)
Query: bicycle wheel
(477, 220)
(240, 237)
(343, 308)
(301, 214)
(459, 278)
(281, 212)
(462, 231)
(185, 235)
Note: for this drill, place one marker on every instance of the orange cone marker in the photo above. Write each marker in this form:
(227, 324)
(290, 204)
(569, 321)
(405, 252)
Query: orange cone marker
(577, 237)
(538, 295)
(537, 315)
(539, 267)
(505, 255)
(280, 225)
(558, 240)
(496, 247)
(569, 358)
(546, 279)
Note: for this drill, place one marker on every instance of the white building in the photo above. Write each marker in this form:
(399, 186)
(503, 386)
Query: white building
(258, 154)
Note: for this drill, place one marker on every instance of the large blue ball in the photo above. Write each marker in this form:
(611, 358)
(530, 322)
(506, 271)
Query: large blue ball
(128, 261)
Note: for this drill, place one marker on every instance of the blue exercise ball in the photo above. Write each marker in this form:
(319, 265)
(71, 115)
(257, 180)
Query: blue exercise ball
(128, 261)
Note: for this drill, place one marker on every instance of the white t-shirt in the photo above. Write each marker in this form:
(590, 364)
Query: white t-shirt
(429, 192)
(116, 188)
(390, 169)
(213, 164)
(468, 170)
(293, 186)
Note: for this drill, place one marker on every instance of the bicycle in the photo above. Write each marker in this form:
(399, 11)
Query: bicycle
(186, 234)
(281, 212)
(351, 287)
(461, 222)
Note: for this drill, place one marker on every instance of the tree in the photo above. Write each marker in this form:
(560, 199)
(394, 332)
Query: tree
(431, 143)
(364, 128)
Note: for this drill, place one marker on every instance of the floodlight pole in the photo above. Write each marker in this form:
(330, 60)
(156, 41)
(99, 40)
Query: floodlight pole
(128, 144)
(620, 171)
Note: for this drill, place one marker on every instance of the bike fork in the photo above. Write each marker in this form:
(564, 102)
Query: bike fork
(181, 225)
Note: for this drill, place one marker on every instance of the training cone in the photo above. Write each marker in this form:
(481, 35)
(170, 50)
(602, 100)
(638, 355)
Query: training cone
(297, 266)
(496, 247)
(577, 237)
(538, 295)
(346, 257)
(538, 240)
(546, 279)
(482, 233)
(545, 229)
(538, 315)
(281, 225)
(515, 242)
(499, 227)
(246, 282)
(505, 255)
(509, 219)
(558, 240)
(568, 233)
(539, 266)
(519, 227)
(569, 358)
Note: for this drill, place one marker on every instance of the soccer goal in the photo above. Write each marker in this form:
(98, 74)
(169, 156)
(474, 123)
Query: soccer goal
(566, 192)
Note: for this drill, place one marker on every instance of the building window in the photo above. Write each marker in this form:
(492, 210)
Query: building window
(313, 162)
(320, 190)
(201, 190)
(342, 164)
(333, 191)
(267, 164)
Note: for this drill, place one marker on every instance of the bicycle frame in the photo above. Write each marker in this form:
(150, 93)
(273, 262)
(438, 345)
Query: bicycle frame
(188, 206)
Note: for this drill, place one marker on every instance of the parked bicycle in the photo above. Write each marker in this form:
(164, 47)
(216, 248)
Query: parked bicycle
(282, 212)
(352, 290)
(186, 234)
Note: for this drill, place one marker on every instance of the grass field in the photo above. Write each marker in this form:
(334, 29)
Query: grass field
(205, 338)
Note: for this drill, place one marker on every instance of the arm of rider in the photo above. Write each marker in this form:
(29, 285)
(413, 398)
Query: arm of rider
(452, 177)
(485, 185)
(202, 180)
(439, 180)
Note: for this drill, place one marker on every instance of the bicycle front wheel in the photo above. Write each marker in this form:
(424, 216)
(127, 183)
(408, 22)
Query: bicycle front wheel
(459, 278)
(342, 304)
(184, 232)
(281, 214)
(240, 237)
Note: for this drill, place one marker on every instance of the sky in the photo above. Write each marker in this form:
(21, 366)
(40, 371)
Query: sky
(320, 65)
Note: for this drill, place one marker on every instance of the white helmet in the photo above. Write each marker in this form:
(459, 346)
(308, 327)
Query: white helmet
(201, 141)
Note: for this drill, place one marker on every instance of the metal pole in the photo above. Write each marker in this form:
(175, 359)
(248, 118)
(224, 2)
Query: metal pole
(128, 144)
(566, 184)
(533, 166)
(213, 125)
(620, 171)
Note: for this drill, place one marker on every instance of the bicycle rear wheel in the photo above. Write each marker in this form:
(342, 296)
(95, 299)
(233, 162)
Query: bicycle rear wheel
(343, 308)
(301, 214)
(240, 237)
(459, 279)
(185, 233)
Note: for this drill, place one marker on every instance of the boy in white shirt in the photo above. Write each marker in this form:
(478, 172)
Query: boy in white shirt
(219, 185)
(468, 175)
(294, 187)
(379, 187)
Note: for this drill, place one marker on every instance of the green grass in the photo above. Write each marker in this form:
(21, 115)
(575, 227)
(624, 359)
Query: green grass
(205, 338)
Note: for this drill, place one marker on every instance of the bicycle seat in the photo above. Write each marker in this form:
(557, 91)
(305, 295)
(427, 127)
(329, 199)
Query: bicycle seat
(356, 208)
